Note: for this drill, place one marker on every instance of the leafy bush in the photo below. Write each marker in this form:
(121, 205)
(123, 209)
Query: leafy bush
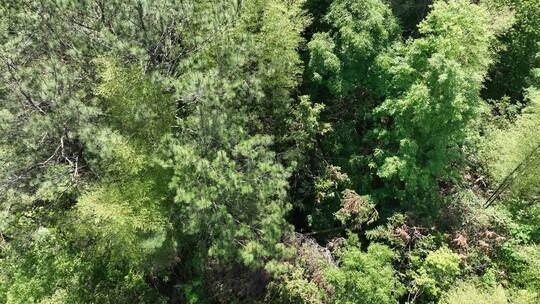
(364, 277)
(437, 272)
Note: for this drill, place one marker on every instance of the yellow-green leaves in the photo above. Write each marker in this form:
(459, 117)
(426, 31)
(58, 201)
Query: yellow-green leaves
(512, 154)
(136, 105)
(126, 218)
(436, 274)
(364, 277)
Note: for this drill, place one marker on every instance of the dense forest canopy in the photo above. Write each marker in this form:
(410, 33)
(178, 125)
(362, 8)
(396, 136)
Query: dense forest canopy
(270, 151)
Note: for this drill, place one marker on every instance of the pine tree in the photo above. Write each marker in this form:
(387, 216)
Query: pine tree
(141, 137)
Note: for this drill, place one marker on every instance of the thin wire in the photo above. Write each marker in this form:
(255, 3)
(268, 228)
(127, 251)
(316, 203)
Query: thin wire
(510, 177)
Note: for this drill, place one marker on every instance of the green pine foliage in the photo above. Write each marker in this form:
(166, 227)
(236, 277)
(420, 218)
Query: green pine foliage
(154, 138)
